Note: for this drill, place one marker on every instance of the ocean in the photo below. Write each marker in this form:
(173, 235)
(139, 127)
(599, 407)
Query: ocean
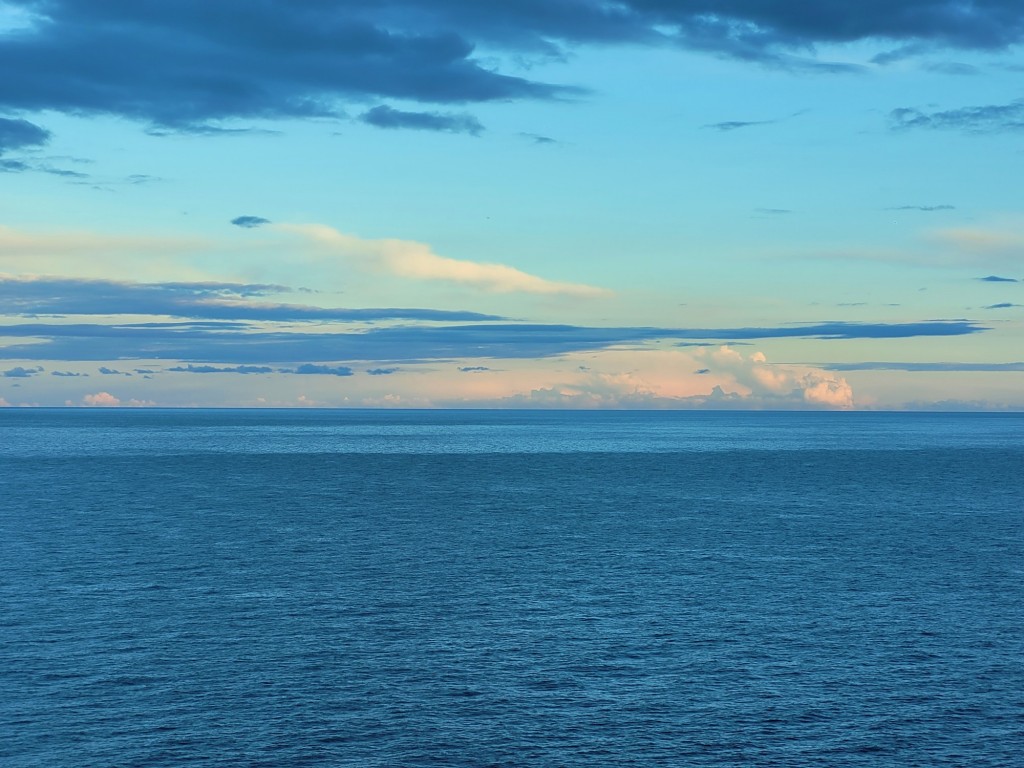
(510, 588)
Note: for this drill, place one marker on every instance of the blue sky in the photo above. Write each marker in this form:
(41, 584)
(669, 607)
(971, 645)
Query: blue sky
(565, 203)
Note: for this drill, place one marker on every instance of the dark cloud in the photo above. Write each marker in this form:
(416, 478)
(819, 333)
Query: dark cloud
(249, 222)
(991, 118)
(537, 138)
(239, 59)
(403, 343)
(1003, 305)
(475, 368)
(900, 366)
(926, 208)
(703, 371)
(216, 369)
(381, 371)
(206, 62)
(998, 279)
(733, 125)
(67, 374)
(113, 372)
(14, 166)
(224, 301)
(18, 134)
(384, 116)
(311, 369)
(21, 373)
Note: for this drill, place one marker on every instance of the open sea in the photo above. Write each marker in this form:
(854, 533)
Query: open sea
(510, 588)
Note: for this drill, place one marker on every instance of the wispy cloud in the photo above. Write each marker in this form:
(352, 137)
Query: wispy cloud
(989, 118)
(201, 300)
(249, 222)
(918, 366)
(925, 208)
(416, 261)
(384, 116)
(233, 345)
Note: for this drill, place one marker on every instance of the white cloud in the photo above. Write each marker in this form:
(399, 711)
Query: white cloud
(101, 399)
(416, 261)
(85, 254)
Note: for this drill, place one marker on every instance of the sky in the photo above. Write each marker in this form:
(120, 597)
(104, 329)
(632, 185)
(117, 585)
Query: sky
(753, 204)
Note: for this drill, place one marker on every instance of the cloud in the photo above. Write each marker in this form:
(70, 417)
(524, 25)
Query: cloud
(473, 368)
(666, 379)
(735, 125)
(937, 366)
(702, 371)
(409, 259)
(18, 134)
(277, 58)
(381, 371)
(927, 208)
(321, 370)
(112, 371)
(384, 116)
(224, 345)
(19, 372)
(990, 118)
(207, 300)
(67, 374)
(1003, 305)
(773, 211)
(249, 222)
(997, 279)
(244, 369)
(101, 399)
(237, 59)
(952, 68)
(981, 242)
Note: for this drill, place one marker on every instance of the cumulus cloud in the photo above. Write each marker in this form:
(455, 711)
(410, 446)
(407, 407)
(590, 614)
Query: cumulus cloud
(998, 279)
(409, 259)
(101, 399)
(666, 379)
(813, 386)
(384, 116)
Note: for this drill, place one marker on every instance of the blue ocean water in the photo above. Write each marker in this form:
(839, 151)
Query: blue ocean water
(403, 588)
